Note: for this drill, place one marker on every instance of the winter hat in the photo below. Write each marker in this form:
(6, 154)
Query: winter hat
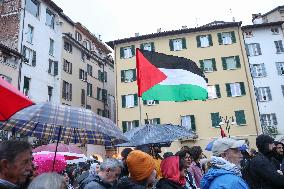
(140, 165)
(262, 142)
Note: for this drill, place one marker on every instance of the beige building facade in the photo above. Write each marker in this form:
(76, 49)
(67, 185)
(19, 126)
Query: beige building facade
(218, 49)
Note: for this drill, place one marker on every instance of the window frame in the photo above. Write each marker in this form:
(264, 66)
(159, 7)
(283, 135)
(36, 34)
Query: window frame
(51, 47)
(30, 33)
(37, 4)
(50, 13)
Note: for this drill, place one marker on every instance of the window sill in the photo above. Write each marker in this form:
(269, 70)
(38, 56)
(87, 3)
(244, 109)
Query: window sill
(225, 44)
(128, 81)
(236, 96)
(279, 52)
(206, 71)
(242, 125)
(126, 57)
(31, 43)
(213, 98)
(258, 76)
(205, 46)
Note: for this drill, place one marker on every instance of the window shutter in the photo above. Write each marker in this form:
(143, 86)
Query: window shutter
(274, 119)
(198, 41)
(55, 67)
(70, 92)
(136, 123)
(214, 64)
(257, 93)
(278, 66)
(134, 74)
(228, 89)
(133, 50)
(224, 63)
(156, 101)
(201, 65)
(124, 126)
(146, 121)
(123, 101)
(24, 51)
(158, 120)
(218, 93)
(64, 66)
(63, 90)
(238, 62)
(240, 117)
(247, 49)
(210, 39)
(104, 94)
(183, 41)
(220, 40)
(98, 93)
(145, 102)
(122, 76)
(34, 59)
(269, 93)
(152, 46)
(121, 52)
(262, 118)
(215, 119)
(171, 45)
(258, 49)
(253, 71)
(243, 90)
(105, 76)
(277, 46)
(142, 46)
(192, 122)
(233, 37)
(135, 99)
(263, 70)
(99, 75)
(282, 87)
(70, 68)
(49, 65)
(85, 75)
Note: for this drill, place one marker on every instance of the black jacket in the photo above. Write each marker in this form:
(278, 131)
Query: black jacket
(167, 184)
(7, 186)
(127, 183)
(264, 173)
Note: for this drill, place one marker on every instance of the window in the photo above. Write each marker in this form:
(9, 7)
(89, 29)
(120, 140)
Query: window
(215, 119)
(226, 38)
(268, 119)
(88, 107)
(33, 7)
(213, 91)
(240, 117)
(83, 97)
(6, 78)
(177, 44)
(275, 31)
(99, 93)
(263, 94)
(127, 52)
(279, 46)
(30, 56)
(253, 49)
(68, 47)
(30, 34)
(204, 40)
(231, 63)
(89, 70)
(128, 125)
(208, 65)
(104, 95)
(153, 121)
(51, 47)
(78, 36)
(129, 101)
(258, 70)
(67, 67)
(147, 46)
(282, 88)
(150, 102)
(82, 75)
(248, 34)
(100, 112)
(53, 67)
(128, 75)
(50, 18)
(100, 75)
(67, 91)
(49, 92)
(87, 44)
(188, 121)
(105, 76)
(89, 89)
(83, 56)
(26, 87)
(235, 89)
(280, 68)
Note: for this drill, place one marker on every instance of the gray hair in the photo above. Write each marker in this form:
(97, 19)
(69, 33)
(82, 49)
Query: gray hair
(47, 181)
(110, 163)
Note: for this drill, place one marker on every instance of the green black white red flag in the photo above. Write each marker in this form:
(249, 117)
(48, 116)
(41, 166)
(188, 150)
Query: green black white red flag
(169, 78)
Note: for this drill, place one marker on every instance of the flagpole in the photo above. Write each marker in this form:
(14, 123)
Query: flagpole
(140, 112)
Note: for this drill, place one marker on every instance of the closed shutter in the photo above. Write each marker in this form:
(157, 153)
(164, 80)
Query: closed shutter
(282, 87)
(220, 40)
(192, 122)
(49, 65)
(104, 94)
(156, 102)
(258, 48)
(253, 70)
(262, 119)
(215, 119)
(214, 64)
(34, 59)
(210, 39)
(242, 86)
(85, 75)
(218, 93)
(24, 51)
(142, 46)
(158, 120)
(228, 89)
(269, 93)
(64, 66)
(183, 40)
(99, 75)
(233, 37)
(201, 65)
(70, 64)
(224, 63)
(123, 101)
(278, 66)
(136, 123)
(274, 119)
(240, 117)
(133, 50)
(257, 93)
(63, 89)
(134, 74)
(124, 126)
(171, 44)
(121, 52)
(55, 67)
(198, 41)
(98, 93)
(247, 49)
(152, 47)
(135, 100)
(122, 76)
(238, 62)
(105, 76)
(264, 74)
(70, 92)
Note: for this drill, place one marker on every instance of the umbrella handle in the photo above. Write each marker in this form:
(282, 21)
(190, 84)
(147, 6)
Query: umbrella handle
(58, 138)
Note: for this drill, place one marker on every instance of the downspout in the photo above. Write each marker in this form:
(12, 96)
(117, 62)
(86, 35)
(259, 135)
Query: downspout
(21, 50)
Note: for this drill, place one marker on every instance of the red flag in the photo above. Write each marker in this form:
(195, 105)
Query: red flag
(223, 134)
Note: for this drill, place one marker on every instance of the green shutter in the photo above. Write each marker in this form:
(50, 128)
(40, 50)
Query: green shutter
(156, 101)
(134, 74)
(146, 121)
(240, 117)
(220, 40)
(238, 62)
(145, 102)
(152, 47)
(171, 44)
(142, 46)
(198, 41)
(218, 93)
(158, 120)
(214, 64)
(105, 76)
(121, 52)
(224, 63)
(122, 76)
(123, 101)
(233, 37)
(133, 50)
(55, 67)
(136, 123)
(183, 40)
(201, 65)
(243, 90)
(215, 119)
(135, 100)
(124, 126)
(228, 89)
(34, 59)
(210, 39)
(192, 121)
(49, 66)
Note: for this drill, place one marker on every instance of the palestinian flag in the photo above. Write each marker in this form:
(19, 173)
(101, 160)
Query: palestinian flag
(169, 78)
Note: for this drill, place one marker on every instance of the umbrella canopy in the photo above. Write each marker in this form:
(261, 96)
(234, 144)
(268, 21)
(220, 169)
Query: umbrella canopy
(156, 133)
(64, 123)
(44, 163)
(11, 100)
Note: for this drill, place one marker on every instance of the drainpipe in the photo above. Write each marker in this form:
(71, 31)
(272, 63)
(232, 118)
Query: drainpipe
(21, 50)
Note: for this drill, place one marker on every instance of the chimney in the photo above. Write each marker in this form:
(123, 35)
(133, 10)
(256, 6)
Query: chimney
(159, 30)
(136, 34)
(184, 27)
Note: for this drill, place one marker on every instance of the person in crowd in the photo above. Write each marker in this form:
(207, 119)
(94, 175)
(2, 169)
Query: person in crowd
(124, 154)
(15, 163)
(277, 156)
(195, 167)
(262, 171)
(83, 173)
(173, 171)
(167, 154)
(67, 181)
(109, 172)
(225, 172)
(94, 168)
(48, 181)
(190, 182)
(186, 148)
(142, 171)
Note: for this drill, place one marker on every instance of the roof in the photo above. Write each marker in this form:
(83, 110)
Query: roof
(53, 5)
(66, 18)
(9, 50)
(279, 7)
(211, 26)
(263, 25)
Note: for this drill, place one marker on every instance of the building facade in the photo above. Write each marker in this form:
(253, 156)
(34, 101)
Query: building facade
(264, 45)
(218, 49)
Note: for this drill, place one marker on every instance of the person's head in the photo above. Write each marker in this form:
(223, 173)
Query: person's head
(157, 149)
(110, 170)
(141, 167)
(185, 148)
(66, 177)
(265, 144)
(195, 153)
(15, 161)
(167, 154)
(95, 167)
(228, 149)
(183, 154)
(124, 153)
(144, 148)
(279, 148)
(48, 181)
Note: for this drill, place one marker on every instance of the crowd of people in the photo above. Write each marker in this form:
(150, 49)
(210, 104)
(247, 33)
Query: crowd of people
(231, 166)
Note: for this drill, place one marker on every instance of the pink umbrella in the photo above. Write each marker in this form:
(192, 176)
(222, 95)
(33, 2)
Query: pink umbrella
(44, 163)
(71, 148)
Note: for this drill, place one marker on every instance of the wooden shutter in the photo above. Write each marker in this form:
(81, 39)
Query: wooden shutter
(210, 39)
(122, 75)
(98, 93)
(183, 41)
(257, 93)
(263, 70)
(274, 119)
(152, 46)
(224, 63)
(83, 96)
(158, 120)
(233, 37)
(240, 117)
(70, 64)
(121, 52)
(238, 62)
(105, 76)
(269, 93)
(49, 65)
(214, 64)
(198, 41)
(124, 126)
(247, 49)
(201, 65)
(243, 90)
(228, 89)
(258, 49)
(104, 94)
(142, 46)
(55, 67)
(135, 99)
(215, 119)
(133, 50)
(63, 90)
(145, 102)
(123, 101)
(34, 59)
(134, 74)
(136, 123)
(64, 66)
(253, 71)
(99, 75)
(171, 44)
(278, 66)
(70, 92)
(192, 122)
(220, 40)
(218, 93)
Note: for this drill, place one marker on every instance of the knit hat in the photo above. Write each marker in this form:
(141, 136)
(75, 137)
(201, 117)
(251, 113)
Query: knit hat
(262, 142)
(140, 165)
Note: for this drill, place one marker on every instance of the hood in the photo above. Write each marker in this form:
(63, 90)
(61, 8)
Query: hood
(222, 163)
(262, 143)
(211, 175)
(170, 170)
(127, 183)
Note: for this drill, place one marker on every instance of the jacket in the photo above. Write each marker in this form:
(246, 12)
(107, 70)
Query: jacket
(128, 183)
(164, 183)
(94, 181)
(7, 185)
(196, 172)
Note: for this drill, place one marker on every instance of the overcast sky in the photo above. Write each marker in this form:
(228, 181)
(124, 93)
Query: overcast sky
(116, 19)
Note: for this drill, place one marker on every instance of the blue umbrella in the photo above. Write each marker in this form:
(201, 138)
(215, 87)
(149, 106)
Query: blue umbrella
(209, 146)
